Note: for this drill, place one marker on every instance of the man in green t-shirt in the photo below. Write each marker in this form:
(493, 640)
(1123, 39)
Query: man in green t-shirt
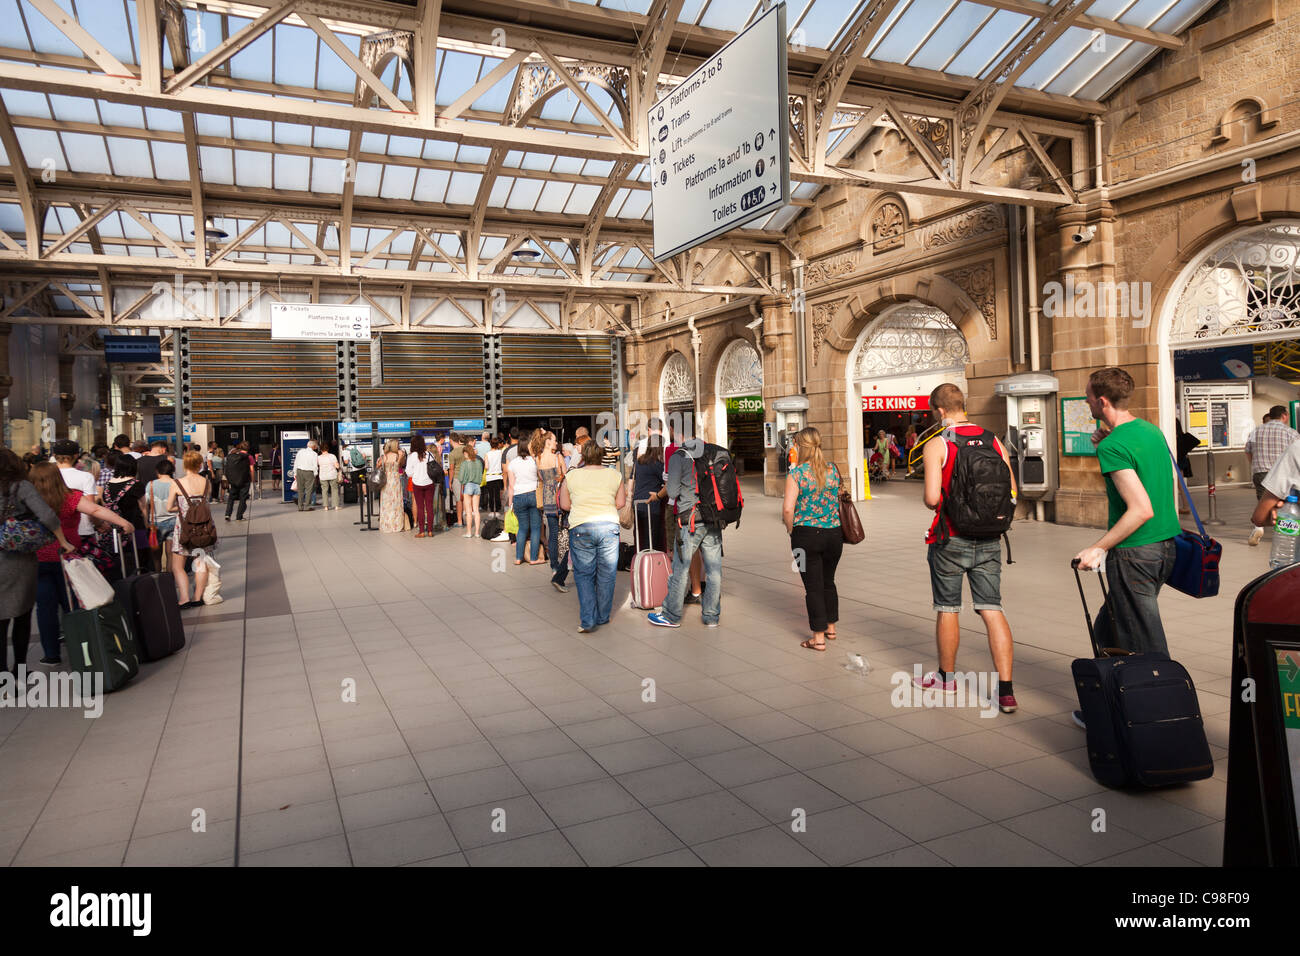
(1143, 519)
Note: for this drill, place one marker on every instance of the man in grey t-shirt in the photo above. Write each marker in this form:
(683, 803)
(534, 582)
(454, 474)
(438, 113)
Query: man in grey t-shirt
(707, 539)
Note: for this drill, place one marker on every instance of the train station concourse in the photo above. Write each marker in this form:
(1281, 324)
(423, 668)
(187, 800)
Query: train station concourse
(651, 433)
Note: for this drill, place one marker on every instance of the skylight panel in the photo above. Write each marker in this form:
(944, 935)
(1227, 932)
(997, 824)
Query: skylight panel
(1088, 64)
(130, 157)
(74, 109)
(86, 153)
(961, 24)
(12, 33)
(583, 198)
(431, 185)
(252, 130)
(208, 124)
(327, 137)
(727, 14)
(252, 169)
(500, 191)
(404, 146)
(569, 165)
(525, 194)
(168, 120)
(170, 160)
(553, 197)
(218, 165)
(333, 73)
(106, 22)
(473, 155)
(463, 188)
(46, 37)
(1145, 12)
(292, 172)
(497, 98)
(327, 176)
(989, 44)
(638, 203)
(118, 114)
(26, 103)
(39, 145)
(295, 56)
(398, 183)
(457, 72)
(439, 149)
(489, 246)
(367, 179)
(253, 62)
(1124, 64)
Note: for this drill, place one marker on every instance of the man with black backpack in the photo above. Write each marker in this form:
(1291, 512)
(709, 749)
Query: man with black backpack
(239, 472)
(970, 487)
(702, 481)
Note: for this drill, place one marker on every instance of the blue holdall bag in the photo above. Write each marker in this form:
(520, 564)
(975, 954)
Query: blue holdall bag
(1196, 564)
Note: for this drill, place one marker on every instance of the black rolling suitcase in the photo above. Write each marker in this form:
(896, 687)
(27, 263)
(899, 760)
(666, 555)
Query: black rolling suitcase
(1141, 712)
(100, 641)
(350, 489)
(152, 607)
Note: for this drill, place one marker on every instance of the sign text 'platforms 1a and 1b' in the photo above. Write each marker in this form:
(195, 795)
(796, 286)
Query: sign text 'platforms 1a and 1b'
(719, 142)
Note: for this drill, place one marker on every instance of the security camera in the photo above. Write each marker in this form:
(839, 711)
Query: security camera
(1085, 234)
(755, 324)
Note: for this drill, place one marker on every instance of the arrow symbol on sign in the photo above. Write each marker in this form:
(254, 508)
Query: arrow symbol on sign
(772, 134)
(1291, 668)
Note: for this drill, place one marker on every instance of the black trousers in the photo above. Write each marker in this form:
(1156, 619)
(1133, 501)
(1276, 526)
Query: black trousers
(492, 494)
(817, 553)
(240, 492)
(20, 628)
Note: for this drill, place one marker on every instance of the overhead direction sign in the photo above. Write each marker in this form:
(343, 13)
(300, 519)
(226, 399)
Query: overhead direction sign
(719, 142)
(311, 321)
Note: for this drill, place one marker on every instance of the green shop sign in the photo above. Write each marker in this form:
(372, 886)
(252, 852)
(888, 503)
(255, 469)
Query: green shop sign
(745, 404)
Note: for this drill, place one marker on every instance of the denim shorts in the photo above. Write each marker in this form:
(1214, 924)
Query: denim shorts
(469, 488)
(980, 560)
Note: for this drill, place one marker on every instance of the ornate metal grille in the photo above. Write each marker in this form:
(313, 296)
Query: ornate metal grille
(676, 384)
(912, 338)
(741, 370)
(1249, 286)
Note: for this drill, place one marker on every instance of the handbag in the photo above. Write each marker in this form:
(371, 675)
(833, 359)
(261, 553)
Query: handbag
(379, 477)
(212, 590)
(90, 587)
(511, 523)
(562, 540)
(625, 515)
(850, 523)
(23, 535)
(1197, 555)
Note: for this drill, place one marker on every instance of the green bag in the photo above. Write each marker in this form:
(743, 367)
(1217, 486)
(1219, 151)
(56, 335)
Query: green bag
(512, 523)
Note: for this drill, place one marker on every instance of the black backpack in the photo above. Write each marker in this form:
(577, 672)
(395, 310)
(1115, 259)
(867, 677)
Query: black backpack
(238, 470)
(718, 500)
(433, 467)
(978, 501)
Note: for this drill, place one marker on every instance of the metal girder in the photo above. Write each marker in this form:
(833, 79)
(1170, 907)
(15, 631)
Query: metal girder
(976, 111)
(32, 215)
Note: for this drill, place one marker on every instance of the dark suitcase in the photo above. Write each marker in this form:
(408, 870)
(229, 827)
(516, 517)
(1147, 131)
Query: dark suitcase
(152, 607)
(100, 641)
(491, 528)
(1142, 715)
(350, 492)
(626, 552)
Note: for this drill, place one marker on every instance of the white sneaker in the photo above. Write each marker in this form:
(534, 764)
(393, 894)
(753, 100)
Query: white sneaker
(1256, 537)
(502, 537)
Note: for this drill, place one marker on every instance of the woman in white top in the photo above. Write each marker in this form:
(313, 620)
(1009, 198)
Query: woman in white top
(417, 469)
(521, 492)
(329, 477)
(493, 479)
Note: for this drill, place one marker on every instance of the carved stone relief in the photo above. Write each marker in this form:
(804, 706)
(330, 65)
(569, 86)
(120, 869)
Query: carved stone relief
(835, 267)
(970, 223)
(888, 227)
(977, 282)
(823, 314)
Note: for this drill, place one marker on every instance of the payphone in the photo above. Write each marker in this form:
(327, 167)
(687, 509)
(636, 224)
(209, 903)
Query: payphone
(791, 417)
(1031, 437)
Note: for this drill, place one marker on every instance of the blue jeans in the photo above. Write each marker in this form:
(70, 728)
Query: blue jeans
(561, 568)
(51, 594)
(594, 546)
(709, 543)
(530, 524)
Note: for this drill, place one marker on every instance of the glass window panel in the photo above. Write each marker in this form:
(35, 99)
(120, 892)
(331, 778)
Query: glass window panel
(404, 146)
(431, 185)
(553, 197)
(367, 181)
(130, 157)
(118, 114)
(107, 23)
(567, 164)
(295, 56)
(1181, 16)
(560, 105)
(525, 194)
(374, 143)
(258, 131)
(584, 196)
(398, 182)
(253, 62)
(907, 31)
(170, 160)
(489, 246)
(1090, 62)
(500, 190)
(292, 172)
(12, 33)
(327, 176)
(74, 109)
(275, 235)
(292, 134)
(729, 14)
(39, 145)
(463, 188)
(326, 137)
(1145, 12)
(439, 149)
(164, 120)
(638, 203)
(961, 23)
(46, 37)
(26, 103)
(598, 167)
(86, 154)
(217, 165)
(252, 169)
(474, 155)
(456, 74)
(987, 43)
(206, 124)
(495, 99)
(1125, 64)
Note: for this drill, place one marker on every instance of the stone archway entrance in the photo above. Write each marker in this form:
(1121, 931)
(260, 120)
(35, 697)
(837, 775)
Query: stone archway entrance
(896, 362)
(1232, 311)
(738, 409)
(677, 390)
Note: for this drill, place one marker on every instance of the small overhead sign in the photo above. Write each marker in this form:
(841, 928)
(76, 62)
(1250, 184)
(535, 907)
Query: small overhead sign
(132, 349)
(719, 142)
(312, 322)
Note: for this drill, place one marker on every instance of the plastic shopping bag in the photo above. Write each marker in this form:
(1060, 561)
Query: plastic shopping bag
(212, 592)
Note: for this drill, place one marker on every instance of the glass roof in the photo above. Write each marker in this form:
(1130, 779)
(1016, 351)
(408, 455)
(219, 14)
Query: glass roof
(87, 139)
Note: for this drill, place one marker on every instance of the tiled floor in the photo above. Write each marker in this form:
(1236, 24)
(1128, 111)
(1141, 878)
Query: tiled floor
(380, 700)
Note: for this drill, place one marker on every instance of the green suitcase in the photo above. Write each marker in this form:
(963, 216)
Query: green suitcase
(100, 641)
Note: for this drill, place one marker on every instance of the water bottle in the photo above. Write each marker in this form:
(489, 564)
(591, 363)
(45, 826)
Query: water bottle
(857, 664)
(1286, 531)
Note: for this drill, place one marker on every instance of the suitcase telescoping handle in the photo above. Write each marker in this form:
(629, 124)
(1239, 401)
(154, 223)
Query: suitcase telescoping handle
(121, 552)
(636, 525)
(1098, 650)
(74, 602)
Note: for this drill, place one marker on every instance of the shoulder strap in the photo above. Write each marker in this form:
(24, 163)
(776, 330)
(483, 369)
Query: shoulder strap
(1188, 495)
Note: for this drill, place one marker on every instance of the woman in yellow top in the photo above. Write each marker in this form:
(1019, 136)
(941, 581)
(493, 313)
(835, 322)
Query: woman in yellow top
(593, 496)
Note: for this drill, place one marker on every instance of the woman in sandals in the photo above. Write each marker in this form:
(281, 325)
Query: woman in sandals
(811, 513)
(190, 485)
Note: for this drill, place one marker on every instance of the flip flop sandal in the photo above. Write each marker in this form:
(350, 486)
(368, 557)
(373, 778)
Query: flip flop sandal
(811, 646)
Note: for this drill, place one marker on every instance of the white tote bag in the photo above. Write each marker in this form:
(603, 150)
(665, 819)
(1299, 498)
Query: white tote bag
(212, 591)
(90, 587)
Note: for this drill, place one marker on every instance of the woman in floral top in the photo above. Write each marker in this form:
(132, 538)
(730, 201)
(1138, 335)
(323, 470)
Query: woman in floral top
(812, 518)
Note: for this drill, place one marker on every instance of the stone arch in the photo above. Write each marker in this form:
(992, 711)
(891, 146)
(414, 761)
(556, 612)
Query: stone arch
(1236, 121)
(745, 372)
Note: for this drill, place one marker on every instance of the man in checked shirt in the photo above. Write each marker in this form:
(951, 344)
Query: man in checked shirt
(1266, 444)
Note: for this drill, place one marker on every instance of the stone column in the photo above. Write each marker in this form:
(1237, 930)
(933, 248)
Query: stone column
(1083, 332)
(6, 380)
(780, 374)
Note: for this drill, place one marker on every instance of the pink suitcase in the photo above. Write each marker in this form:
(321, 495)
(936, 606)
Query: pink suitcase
(650, 571)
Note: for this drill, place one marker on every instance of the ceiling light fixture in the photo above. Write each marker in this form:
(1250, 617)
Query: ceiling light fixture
(210, 231)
